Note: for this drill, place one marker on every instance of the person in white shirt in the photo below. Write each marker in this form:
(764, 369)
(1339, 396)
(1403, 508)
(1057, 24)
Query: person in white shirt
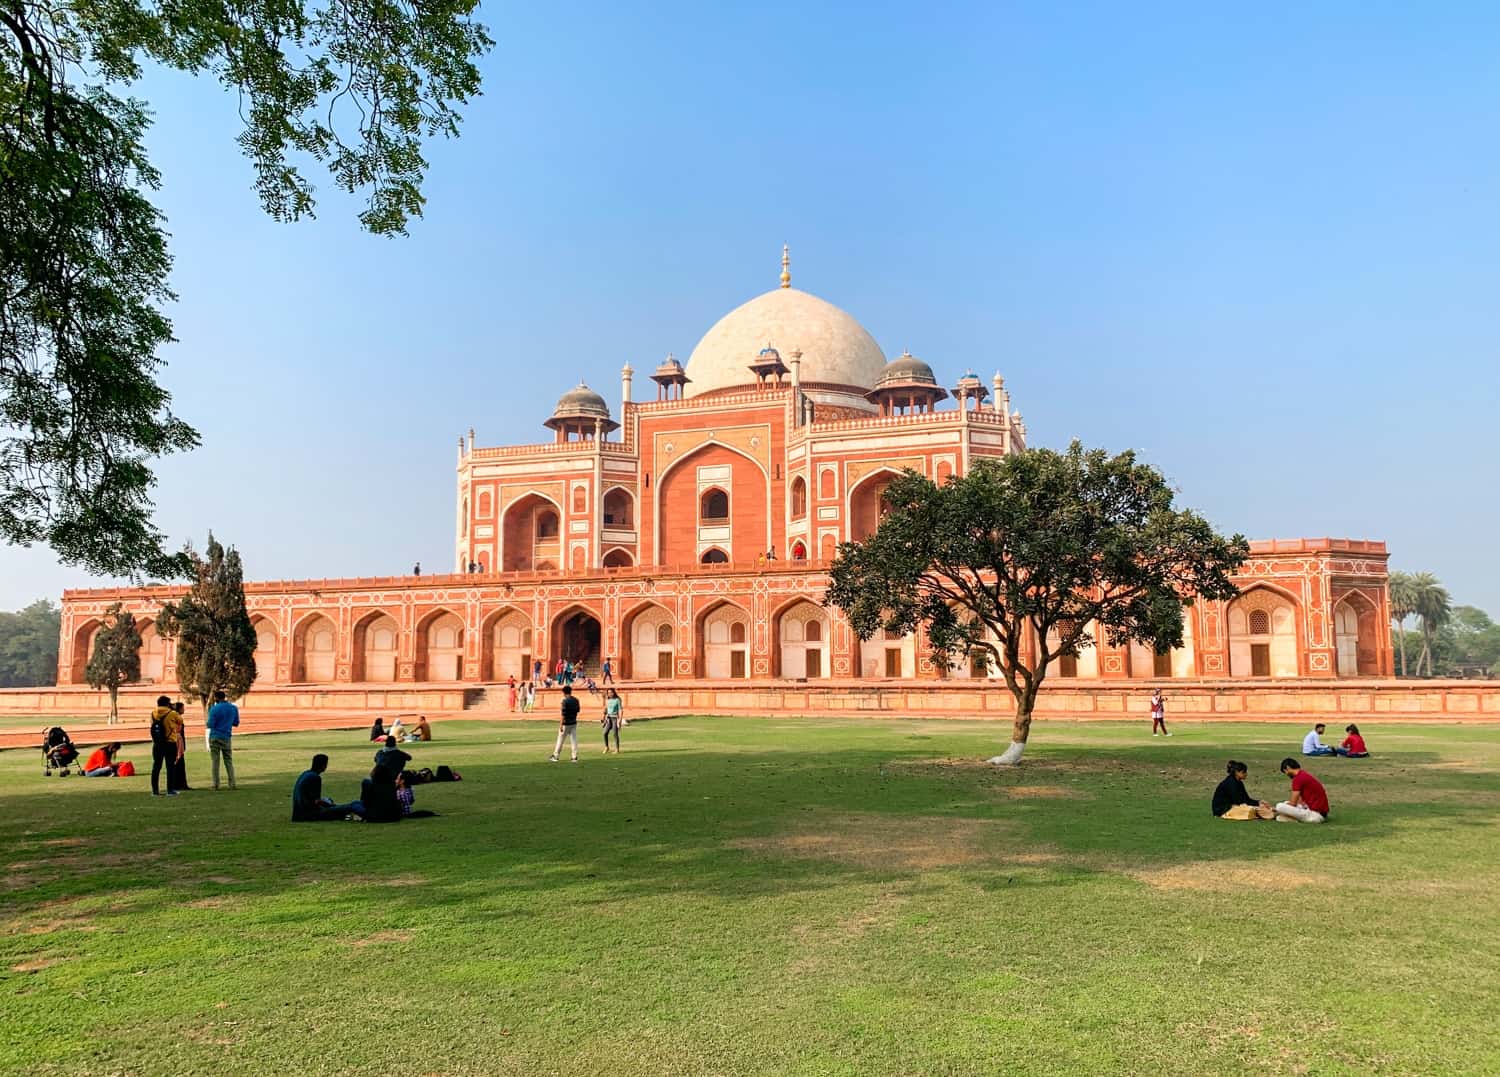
(1312, 744)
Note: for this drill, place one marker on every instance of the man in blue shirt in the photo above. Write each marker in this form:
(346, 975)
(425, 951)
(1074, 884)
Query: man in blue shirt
(223, 716)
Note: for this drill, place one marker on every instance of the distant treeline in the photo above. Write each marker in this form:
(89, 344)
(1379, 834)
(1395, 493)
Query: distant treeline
(28, 645)
(1450, 641)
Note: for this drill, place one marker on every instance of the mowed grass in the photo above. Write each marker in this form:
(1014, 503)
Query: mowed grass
(764, 896)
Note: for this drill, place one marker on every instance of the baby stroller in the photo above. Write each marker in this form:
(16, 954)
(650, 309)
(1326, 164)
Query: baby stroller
(58, 752)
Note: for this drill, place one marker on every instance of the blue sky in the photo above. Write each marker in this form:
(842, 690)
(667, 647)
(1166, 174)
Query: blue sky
(1257, 246)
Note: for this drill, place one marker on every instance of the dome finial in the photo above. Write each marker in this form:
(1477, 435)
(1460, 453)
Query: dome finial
(786, 266)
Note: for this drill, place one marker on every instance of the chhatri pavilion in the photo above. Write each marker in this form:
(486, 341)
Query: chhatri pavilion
(687, 535)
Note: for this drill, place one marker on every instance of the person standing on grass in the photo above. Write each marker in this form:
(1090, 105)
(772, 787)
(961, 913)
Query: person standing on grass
(567, 729)
(1158, 714)
(223, 716)
(1354, 744)
(511, 686)
(309, 805)
(1312, 744)
(1309, 800)
(177, 772)
(614, 717)
(166, 744)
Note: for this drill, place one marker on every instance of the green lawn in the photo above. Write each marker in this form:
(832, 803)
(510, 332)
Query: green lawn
(758, 896)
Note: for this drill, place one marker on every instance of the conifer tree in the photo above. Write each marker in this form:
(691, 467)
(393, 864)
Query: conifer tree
(117, 656)
(215, 640)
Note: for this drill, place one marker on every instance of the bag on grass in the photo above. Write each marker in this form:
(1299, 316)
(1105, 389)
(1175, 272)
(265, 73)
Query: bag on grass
(125, 770)
(448, 774)
(1241, 813)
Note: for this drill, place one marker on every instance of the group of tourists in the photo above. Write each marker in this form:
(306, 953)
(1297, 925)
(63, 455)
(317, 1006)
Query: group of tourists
(169, 742)
(419, 733)
(386, 794)
(1308, 802)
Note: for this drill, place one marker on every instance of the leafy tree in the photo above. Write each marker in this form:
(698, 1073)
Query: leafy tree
(117, 656)
(1027, 550)
(1403, 597)
(1470, 639)
(215, 640)
(28, 645)
(1433, 606)
(83, 254)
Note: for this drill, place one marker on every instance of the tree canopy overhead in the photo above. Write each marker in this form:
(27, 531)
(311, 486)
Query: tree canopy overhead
(354, 85)
(1026, 557)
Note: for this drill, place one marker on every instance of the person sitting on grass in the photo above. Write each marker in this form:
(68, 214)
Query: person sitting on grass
(309, 805)
(377, 731)
(1354, 744)
(423, 731)
(101, 764)
(397, 729)
(1312, 744)
(392, 757)
(1232, 801)
(377, 801)
(406, 798)
(1309, 800)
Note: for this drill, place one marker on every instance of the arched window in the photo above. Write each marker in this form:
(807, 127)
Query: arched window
(737, 632)
(1260, 623)
(799, 498)
(664, 633)
(484, 506)
(799, 552)
(466, 512)
(546, 524)
(814, 632)
(525, 637)
(580, 499)
(714, 505)
(826, 484)
(617, 508)
(715, 556)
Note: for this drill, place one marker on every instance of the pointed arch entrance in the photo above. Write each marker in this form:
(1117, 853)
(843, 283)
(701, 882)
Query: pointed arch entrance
(576, 638)
(1355, 626)
(507, 646)
(650, 633)
(440, 647)
(1262, 634)
(265, 650)
(724, 642)
(377, 637)
(313, 650)
(802, 641)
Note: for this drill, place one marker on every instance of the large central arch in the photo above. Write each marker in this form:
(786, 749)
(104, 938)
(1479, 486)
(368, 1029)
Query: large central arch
(531, 534)
(680, 489)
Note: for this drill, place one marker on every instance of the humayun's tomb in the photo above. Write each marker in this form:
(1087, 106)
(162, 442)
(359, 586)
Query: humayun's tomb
(687, 536)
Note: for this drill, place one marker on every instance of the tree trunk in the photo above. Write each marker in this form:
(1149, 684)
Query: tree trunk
(114, 705)
(1019, 732)
(1401, 643)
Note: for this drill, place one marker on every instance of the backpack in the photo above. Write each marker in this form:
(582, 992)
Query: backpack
(158, 729)
(448, 774)
(126, 770)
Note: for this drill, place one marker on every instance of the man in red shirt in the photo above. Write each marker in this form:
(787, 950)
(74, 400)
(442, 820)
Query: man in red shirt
(1309, 800)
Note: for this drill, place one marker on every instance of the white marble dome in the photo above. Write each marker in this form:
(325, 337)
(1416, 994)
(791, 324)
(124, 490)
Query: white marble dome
(835, 348)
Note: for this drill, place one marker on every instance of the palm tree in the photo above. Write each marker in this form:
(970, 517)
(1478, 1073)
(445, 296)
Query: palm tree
(1433, 607)
(1403, 605)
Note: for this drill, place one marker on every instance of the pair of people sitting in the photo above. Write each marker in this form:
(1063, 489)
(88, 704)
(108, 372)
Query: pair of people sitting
(1308, 802)
(384, 797)
(1353, 746)
(421, 732)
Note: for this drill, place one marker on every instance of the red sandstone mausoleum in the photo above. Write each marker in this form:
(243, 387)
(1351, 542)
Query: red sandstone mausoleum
(688, 537)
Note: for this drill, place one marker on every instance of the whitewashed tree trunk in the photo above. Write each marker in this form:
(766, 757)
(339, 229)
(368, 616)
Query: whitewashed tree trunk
(1011, 756)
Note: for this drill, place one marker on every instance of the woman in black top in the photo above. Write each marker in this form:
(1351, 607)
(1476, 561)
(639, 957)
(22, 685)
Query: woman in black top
(1231, 790)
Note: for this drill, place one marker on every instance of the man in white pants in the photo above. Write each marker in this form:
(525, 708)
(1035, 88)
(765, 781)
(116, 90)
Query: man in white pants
(1309, 800)
(568, 728)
